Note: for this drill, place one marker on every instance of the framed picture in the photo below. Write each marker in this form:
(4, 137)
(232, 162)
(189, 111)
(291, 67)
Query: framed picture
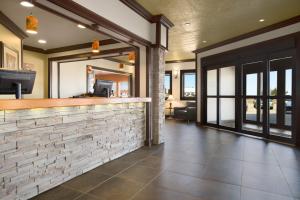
(9, 57)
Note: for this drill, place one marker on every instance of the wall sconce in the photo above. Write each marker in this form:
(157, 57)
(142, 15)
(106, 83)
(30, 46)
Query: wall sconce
(176, 73)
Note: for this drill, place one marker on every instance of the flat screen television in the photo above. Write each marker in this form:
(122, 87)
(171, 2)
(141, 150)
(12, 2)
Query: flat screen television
(102, 88)
(16, 82)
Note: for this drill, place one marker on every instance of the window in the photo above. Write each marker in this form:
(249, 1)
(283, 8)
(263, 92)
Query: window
(168, 82)
(188, 85)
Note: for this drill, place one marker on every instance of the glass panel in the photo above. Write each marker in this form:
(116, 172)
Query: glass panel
(212, 110)
(261, 91)
(189, 89)
(251, 111)
(288, 113)
(124, 89)
(227, 112)
(252, 123)
(273, 111)
(251, 84)
(212, 82)
(168, 84)
(227, 81)
(273, 83)
(288, 82)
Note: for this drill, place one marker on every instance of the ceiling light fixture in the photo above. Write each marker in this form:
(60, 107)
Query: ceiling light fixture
(131, 57)
(261, 20)
(96, 46)
(187, 24)
(27, 4)
(42, 41)
(31, 24)
(81, 26)
(204, 41)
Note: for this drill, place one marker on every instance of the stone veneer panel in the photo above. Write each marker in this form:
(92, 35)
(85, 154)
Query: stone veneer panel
(42, 148)
(158, 95)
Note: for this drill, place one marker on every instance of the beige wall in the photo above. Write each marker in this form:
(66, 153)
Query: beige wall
(40, 65)
(11, 40)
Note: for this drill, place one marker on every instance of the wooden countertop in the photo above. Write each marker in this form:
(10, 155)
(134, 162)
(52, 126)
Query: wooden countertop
(15, 104)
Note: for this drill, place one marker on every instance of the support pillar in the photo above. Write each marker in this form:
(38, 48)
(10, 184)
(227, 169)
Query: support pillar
(158, 95)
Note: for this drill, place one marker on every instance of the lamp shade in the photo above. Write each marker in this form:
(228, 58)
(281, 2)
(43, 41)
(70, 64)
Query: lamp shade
(170, 98)
(96, 46)
(131, 57)
(32, 24)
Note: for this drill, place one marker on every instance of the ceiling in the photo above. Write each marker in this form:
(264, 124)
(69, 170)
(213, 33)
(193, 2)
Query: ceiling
(214, 21)
(57, 31)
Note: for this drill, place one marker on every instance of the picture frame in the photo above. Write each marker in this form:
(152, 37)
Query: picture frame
(9, 57)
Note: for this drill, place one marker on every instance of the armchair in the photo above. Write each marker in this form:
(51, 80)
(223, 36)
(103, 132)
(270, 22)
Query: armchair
(188, 113)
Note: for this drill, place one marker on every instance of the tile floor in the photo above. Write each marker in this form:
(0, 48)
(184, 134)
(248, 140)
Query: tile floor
(194, 164)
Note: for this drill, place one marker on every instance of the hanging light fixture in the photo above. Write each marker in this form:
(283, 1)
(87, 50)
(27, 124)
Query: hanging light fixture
(32, 24)
(131, 57)
(96, 46)
(121, 66)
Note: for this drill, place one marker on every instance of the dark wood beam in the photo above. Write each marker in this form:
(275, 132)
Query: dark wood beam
(180, 61)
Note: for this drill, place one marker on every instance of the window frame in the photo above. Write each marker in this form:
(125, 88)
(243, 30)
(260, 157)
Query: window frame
(171, 88)
(182, 73)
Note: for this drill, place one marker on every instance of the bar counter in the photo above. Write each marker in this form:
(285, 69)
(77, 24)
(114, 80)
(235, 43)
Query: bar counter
(17, 104)
(46, 142)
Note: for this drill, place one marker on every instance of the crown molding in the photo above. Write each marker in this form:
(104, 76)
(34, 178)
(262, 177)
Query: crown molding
(10, 25)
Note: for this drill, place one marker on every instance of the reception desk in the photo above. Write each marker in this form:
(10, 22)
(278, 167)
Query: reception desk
(46, 142)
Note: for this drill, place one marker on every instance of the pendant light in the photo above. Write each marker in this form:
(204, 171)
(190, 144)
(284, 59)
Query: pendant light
(121, 66)
(131, 57)
(96, 46)
(31, 24)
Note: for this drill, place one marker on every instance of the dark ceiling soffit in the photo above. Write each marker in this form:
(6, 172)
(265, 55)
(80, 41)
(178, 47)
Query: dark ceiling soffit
(143, 12)
(95, 18)
(5, 21)
(163, 20)
(119, 61)
(69, 48)
(272, 27)
(180, 61)
(120, 51)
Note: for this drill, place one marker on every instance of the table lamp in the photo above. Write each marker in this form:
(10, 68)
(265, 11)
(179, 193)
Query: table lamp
(170, 99)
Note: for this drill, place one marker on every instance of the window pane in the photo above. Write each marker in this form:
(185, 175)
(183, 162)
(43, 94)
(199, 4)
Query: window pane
(211, 110)
(288, 112)
(273, 83)
(189, 84)
(168, 83)
(251, 109)
(273, 111)
(251, 84)
(227, 112)
(227, 81)
(212, 82)
(288, 82)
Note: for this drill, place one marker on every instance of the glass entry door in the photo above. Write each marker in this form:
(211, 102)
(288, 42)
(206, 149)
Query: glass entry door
(280, 97)
(253, 101)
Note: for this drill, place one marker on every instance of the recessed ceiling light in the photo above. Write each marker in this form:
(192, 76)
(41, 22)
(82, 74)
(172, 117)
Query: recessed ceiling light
(204, 41)
(187, 24)
(261, 20)
(81, 26)
(27, 4)
(42, 41)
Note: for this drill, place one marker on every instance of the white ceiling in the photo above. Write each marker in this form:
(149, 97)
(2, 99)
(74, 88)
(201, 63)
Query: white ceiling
(57, 31)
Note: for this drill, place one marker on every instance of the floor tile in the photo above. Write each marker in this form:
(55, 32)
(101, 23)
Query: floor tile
(250, 194)
(116, 189)
(210, 190)
(140, 173)
(87, 181)
(158, 193)
(113, 167)
(58, 193)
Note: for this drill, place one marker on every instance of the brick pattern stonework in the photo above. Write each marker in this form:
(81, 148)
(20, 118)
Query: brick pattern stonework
(42, 148)
(158, 95)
